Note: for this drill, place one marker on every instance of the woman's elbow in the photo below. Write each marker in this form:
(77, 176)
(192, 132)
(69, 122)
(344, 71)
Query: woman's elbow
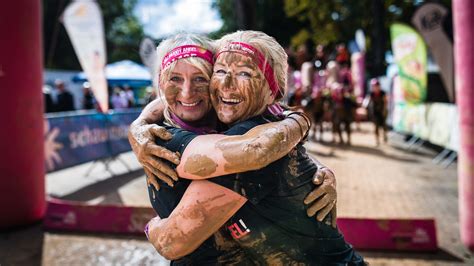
(170, 251)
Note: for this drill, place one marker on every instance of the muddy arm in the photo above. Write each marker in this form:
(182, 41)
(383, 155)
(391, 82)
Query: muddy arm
(216, 155)
(152, 112)
(322, 200)
(142, 134)
(204, 208)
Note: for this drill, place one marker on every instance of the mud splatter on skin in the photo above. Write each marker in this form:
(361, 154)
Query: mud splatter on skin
(261, 145)
(141, 139)
(259, 151)
(200, 165)
(237, 76)
(165, 242)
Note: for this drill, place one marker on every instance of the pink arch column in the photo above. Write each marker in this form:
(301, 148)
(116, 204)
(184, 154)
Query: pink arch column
(463, 15)
(22, 192)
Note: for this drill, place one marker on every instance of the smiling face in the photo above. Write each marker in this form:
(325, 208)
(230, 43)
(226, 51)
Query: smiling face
(186, 90)
(238, 88)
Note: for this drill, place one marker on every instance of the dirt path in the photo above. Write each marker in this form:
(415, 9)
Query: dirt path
(388, 181)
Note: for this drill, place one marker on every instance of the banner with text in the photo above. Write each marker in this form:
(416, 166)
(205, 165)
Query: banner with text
(74, 139)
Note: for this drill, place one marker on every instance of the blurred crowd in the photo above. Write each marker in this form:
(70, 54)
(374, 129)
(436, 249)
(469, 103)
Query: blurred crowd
(318, 72)
(321, 83)
(58, 98)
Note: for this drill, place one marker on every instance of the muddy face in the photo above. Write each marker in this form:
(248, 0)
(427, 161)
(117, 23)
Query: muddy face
(238, 88)
(187, 92)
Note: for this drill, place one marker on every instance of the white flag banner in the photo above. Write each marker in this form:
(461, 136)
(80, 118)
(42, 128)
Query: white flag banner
(148, 53)
(428, 19)
(148, 56)
(83, 22)
(360, 39)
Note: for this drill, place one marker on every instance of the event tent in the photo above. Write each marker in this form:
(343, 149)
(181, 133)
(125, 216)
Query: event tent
(121, 73)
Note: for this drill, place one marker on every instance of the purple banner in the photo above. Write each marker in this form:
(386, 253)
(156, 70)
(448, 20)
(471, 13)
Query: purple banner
(72, 139)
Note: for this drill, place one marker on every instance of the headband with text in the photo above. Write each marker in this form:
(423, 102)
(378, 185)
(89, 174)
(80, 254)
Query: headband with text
(185, 51)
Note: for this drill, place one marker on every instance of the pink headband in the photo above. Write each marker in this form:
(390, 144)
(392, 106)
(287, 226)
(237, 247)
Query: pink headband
(186, 51)
(248, 50)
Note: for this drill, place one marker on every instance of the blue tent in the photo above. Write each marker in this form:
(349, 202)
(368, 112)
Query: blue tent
(121, 73)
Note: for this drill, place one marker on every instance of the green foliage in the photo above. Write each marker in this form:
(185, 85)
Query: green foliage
(270, 18)
(123, 33)
(321, 21)
(337, 20)
(227, 12)
(330, 22)
(327, 22)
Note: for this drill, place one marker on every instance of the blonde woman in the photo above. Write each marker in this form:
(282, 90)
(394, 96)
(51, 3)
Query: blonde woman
(184, 73)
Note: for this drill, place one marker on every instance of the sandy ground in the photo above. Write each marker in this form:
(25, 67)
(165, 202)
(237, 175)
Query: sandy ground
(386, 181)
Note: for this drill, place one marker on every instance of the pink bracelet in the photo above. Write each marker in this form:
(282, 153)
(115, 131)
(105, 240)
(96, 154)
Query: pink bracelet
(147, 226)
(146, 230)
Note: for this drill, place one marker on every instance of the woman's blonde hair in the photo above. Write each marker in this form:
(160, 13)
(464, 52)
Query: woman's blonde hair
(169, 44)
(274, 53)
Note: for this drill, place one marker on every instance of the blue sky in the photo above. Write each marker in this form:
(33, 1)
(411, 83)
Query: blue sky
(162, 18)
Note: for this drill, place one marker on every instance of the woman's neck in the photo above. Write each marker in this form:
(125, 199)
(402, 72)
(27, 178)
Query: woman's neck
(205, 125)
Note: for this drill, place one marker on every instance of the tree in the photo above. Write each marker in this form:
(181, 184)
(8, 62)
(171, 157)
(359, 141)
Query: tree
(122, 28)
(265, 15)
(336, 21)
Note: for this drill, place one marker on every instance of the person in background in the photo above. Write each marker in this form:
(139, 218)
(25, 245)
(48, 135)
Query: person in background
(65, 100)
(48, 99)
(88, 97)
(377, 108)
(130, 96)
(320, 58)
(150, 95)
(119, 99)
(342, 55)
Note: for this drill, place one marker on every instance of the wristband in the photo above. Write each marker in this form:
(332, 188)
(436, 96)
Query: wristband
(147, 228)
(299, 125)
(308, 121)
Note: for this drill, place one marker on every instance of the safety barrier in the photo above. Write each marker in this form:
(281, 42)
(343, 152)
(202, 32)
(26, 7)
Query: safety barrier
(433, 122)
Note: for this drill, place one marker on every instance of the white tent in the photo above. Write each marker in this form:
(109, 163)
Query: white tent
(121, 73)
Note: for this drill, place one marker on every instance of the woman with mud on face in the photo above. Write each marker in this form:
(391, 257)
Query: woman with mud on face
(261, 210)
(184, 73)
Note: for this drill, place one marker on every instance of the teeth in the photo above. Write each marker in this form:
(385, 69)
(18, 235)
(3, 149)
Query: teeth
(230, 100)
(190, 104)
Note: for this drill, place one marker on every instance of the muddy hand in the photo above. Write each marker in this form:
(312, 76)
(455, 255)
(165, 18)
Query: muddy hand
(142, 139)
(322, 200)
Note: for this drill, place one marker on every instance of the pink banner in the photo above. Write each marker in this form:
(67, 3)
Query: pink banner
(390, 234)
(463, 11)
(76, 216)
(372, 234)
